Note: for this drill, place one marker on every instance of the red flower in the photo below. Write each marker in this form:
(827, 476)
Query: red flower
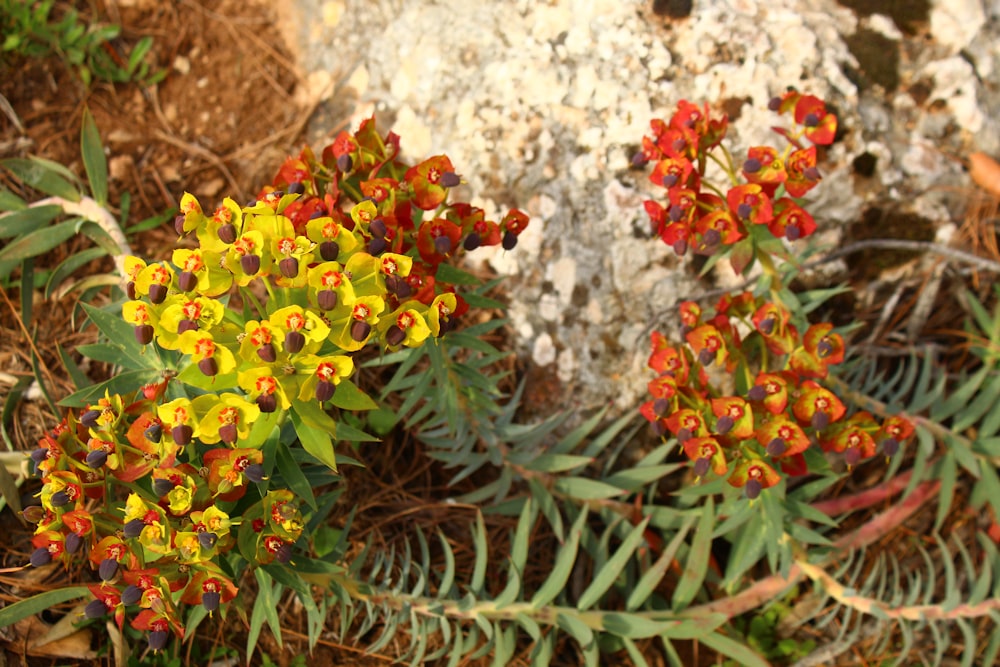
(425, 180)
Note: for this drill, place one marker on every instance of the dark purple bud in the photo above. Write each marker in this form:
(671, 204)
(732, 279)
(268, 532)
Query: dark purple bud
(398, 286)
(660, 406)
(97, 458)
(144, 334)
(706, 357)
(752, 165)
(187, 281)
(442, 245)
(107, 569)
(776, 447)
(752, 488)
(250, 264)
(59, 499)
(819, 421)
(296, 188)
(133, 528)
(329, 251)
(449, 179)
(344, 162)
(659, 428)
(639, 160)
(284, 553)
(326, 299)
(267, 353)
(182, 434)
(255, 473)
(73, 543)
(509, 240)
(179, 224)
(701, 466)
(33, 513)
(683, 435)
(324, 391)
(131, 595)
(377, 228)
(228, 433)
(472, 241)
(811, 120)
(209, 366)
(395, 335)
(210, 600)
(157, 293)
(162, 487)
(724, 425)
(95, 609)
(377, 246)
(824, 349)
(792, 232)
(890, 446)
(186, 325)
(130, 290)
(289, 267)
(294, 341)
(744, 211)
(40, 557)
(679, 145)
(851, 456)
(675, 213)
(227, 233)
(158, 640)
(712, 237)
(812, 173)
(360, 330)
(774, 103)
(669, 180)
(680, 247)
(267, 403)
(207, 539)
(88, 419)
(757, 393)
(766, 326)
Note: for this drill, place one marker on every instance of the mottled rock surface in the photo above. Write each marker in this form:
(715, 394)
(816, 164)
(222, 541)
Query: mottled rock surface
(541, 104)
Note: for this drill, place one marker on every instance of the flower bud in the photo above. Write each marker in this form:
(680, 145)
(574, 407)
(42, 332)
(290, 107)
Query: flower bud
(179, 224)
(395, 335)
(792, 232)
(744, 210)
(752, 165)
(398, 286)
(153, 432)
(186, 325)
(450, 179)
(255, 473)
(669, 180)
(95, 609)
(209, 366)
(820, 420)
(97, 458)
(227, 233)
(811, 120)
(724, 425)
(157, 293)
(107, 569)
(360, 330)
(133, 528)
(267, 403)
(757, 393)
(144, 334)
(851, 456)
(296, 188)
(683, 435)
(472, 241)
(660, 406)
(701, 466)
(680, 247)
(812, 173)
(774, 103)
(377, 228)
(377, 246)
(73, 542)
(752, 488)
(706, 357)
(228, 433)
(187, 281)
(712, 237)
(162, 487)
(267, 353)
(182, 434)
(211, 600)
(890, 446)
(294, 341)
(131, 595)
(329, 251)
(324, 391)
(130, 290)
(639, 160)
(250, 264)
(659, 428)
(88, 419)
(158, 640)
(289, 267)
(766, 326)
(675, 213)
(284, 553)
(344, 162)
(36, 513)
(40, 557)
(776, 447)
(326, 299)
(207, 540)
(59, 499)
(509, 240)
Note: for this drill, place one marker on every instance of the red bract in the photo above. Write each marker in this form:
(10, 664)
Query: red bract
(706, 454)
(749, 202)
(753, 476)
(820, 126)
(782, 437)
(802, 173)
(817, 406)
(425, 181)
(792, 221)
(734, 417)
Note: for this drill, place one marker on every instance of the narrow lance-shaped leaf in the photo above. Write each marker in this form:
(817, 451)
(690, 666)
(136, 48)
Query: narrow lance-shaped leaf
(696, 565)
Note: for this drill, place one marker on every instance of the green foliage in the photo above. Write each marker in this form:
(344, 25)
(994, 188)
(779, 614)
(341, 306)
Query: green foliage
(35, 30)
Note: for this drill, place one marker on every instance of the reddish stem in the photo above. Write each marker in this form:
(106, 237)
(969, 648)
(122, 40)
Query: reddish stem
(866, 498)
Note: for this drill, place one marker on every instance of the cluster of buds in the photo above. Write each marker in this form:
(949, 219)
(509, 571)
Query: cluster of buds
(743, 395)
(712, 220)
(336, 254)
(158, 546)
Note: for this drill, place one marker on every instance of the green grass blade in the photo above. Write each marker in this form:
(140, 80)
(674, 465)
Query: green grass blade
(36, 604)
(94, 162)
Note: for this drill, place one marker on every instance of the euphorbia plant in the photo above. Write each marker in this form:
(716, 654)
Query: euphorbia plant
(166, 489)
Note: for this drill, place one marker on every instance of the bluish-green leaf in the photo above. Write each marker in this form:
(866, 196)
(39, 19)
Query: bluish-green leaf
(696, 565)
(36, 604)
(316, 441)
(563, 566)
(586, 489)
(28, 220)
(606, 576)
(44, 175)
(93, 158)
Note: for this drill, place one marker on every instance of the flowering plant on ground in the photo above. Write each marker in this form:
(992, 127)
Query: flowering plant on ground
(262, 310)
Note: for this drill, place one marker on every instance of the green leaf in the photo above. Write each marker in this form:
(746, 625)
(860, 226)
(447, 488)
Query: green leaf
(563, 565)
(292, 474)
(553, 463)
(586, 489)
(606, 576)
(68, 266)
(651, 578)
(9, 406)
(44, 175)
(11, 202)
(349, 397)
(28, 220)
(482, 556)
(93, 158)
(455, 276)
(123, 383)
(741, 653)
(36, 604)
(696, 565)
(576, 628)
(265, 608)
(316, 441)
(35, 243)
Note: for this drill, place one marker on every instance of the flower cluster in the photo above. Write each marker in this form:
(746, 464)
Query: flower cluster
(337, 254)
(711, 220)
(744, 395)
